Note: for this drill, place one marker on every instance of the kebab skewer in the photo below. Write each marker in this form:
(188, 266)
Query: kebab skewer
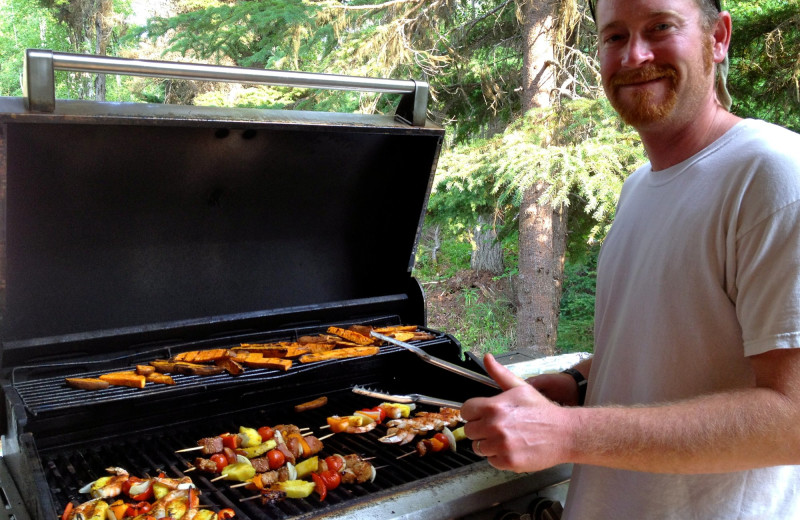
(159, 497)
(403, 431)
(329, 473)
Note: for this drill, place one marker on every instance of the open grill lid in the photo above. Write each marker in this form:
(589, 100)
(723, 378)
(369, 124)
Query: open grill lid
(124, 222)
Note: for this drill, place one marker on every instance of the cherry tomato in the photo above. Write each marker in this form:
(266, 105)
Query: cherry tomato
(138, 509)
(141, 491)
(266, 433)
(126, 486)
(276, 459)
(332, 479)
(334, 463)
(220, 460)
(319, 486)
(381, 412)
(443, 439)
(225, 514)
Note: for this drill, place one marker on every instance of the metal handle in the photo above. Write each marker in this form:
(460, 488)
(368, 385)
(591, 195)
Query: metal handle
(40, 66)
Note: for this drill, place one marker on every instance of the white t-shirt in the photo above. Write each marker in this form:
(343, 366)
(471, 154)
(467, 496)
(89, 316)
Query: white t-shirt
(701, 268)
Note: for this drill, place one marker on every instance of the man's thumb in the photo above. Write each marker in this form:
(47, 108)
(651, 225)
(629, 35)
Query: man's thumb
(503, 376)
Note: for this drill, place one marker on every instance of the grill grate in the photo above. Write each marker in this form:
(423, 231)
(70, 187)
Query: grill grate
(67, 470)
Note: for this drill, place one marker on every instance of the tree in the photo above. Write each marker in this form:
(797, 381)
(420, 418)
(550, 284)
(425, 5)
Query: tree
(765, 61)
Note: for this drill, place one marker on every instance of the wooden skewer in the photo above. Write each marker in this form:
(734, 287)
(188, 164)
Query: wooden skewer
(187, 470)
(326, 426)
(406, 454)
(241, 484)
(217, 478)
(189, 449)
(249, 498)
(326, 436)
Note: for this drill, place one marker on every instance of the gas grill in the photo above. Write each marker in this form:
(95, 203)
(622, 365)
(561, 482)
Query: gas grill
(134, 232)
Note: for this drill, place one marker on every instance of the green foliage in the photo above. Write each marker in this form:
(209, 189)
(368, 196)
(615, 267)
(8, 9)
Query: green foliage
(452, 256)
(588, 167)
(25, 25)
(488, 325)
(765, 68)
(576, 319)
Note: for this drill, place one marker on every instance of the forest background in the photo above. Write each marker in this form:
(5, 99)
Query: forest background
(533, 158)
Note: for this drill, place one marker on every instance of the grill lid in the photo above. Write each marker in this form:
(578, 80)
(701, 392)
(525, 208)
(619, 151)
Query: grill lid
(126, 223)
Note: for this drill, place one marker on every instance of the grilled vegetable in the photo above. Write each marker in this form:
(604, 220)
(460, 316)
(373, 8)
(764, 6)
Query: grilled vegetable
(307, 467)
(125, 378)
(311, 405)
(351, 335)
(258, 450)
(296, 488)
(87, 383)
(240, 471)
(340, 353)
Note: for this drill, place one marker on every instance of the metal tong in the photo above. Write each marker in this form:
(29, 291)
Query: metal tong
(438, 362)
(406, 398)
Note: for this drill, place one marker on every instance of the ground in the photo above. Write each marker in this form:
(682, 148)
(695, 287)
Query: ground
(446, 299)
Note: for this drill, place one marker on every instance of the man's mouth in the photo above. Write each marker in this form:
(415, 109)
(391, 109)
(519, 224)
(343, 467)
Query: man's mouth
(642, 77)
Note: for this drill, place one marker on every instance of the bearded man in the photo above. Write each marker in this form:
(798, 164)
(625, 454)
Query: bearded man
(692, 408)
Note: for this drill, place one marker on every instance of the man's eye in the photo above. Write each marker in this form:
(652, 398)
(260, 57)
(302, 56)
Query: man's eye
(662, 26)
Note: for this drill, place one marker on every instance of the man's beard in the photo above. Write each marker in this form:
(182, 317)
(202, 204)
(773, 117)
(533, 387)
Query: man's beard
(641, 107)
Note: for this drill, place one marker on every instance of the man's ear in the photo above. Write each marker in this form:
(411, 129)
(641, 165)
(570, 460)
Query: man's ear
(722, 36)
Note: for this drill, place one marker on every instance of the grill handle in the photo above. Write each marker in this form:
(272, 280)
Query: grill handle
(40, 65)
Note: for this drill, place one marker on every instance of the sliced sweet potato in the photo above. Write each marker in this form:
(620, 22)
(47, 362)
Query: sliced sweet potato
(203, 356)
(396, 328)
(145, 370)
(181, 367)
(125, 378)
(87, 383)
(164, 379)
(350, 335)
(267, 362)
(291, 350)
(340, 353)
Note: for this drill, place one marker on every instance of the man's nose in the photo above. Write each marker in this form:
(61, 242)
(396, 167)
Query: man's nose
(637, 52)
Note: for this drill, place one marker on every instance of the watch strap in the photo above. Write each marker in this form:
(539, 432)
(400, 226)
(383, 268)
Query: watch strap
(580, 381)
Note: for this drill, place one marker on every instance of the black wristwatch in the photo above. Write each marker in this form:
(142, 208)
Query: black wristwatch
(580, 381)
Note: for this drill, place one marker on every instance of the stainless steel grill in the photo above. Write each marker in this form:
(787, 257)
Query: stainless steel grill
(135, 232)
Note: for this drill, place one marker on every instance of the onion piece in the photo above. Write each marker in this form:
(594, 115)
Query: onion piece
(451, 439)
(292, 471)
(87, 488)
(242, 458)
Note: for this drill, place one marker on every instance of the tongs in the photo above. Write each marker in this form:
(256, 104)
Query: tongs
(438, 362)
(406, 398)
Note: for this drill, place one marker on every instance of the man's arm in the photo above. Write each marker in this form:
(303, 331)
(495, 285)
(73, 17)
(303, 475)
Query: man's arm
(520, 430)
(560, 387)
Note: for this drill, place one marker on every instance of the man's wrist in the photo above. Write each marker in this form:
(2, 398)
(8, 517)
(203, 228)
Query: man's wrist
(580, 381)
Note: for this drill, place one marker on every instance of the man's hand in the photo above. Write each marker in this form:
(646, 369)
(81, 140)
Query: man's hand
(520, 429)
(560, 388)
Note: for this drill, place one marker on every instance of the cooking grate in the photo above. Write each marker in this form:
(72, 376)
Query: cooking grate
(67, 470)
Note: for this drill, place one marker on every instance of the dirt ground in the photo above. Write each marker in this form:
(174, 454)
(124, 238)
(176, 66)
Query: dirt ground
(446, 302)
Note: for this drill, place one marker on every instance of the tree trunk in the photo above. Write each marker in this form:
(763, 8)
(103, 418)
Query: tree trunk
(487, 252)
(541, 234)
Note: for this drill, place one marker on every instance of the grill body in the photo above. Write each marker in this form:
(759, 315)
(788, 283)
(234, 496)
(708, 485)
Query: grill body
(133, 232)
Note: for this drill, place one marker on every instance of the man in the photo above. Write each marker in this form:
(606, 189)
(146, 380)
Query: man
(693, 402)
